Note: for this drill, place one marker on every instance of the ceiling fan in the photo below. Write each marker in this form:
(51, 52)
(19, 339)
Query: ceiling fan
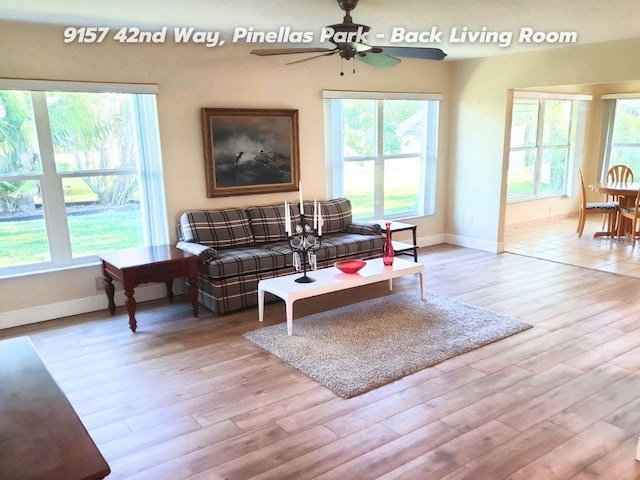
(342, 35)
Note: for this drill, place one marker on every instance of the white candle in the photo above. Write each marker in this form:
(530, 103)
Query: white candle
(320, 221)
(315, 214)
(287, 222)
(300, 193)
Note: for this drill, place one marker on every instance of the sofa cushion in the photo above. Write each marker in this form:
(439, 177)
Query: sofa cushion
(217, 228)
(267, 222)
(338, 246)
(336, 214)
(242, 261)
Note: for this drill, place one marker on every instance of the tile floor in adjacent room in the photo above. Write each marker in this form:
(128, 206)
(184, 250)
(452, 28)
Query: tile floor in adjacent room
(557, 240)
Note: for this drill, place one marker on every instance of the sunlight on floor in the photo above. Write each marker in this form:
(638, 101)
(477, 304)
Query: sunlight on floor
(557, 240)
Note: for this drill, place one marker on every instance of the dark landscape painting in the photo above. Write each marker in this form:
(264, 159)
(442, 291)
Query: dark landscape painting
(251, 151)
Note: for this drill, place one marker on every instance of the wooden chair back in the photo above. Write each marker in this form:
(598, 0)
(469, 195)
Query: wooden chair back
(619, 174)
(583, 193)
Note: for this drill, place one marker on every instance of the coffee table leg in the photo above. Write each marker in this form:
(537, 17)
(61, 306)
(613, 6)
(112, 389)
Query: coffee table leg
(422, 284)
(289, 317)
(390, 284)
(260, 305)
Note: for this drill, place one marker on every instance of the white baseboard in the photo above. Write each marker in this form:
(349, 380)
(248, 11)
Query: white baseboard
(41, 313)
(431, 240)
(486, 245)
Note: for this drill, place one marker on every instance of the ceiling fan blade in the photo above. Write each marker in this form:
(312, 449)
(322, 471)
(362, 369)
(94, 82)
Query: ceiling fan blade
(415, 52)
(354, 46)
(378, 60)
(330, 52)
(286, 51)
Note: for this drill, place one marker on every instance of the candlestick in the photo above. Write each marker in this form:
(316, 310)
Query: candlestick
(320, 222)
(290, 219)
(303, 240)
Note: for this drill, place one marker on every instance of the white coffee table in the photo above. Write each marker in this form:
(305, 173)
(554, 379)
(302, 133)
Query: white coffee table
(332, 280)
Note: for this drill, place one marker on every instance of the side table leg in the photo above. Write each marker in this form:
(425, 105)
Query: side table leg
(169, 284)
(109, 289)
(193, 290)
(131, 309)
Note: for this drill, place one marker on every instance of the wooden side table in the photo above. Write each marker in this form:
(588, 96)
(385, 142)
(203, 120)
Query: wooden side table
(40, 433)
(134, 266)
(402, 248)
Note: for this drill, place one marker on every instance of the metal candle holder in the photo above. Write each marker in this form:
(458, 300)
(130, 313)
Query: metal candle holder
(305, 240)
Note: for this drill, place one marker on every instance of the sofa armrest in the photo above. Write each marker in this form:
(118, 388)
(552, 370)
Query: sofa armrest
(364, 228)
(206, 254)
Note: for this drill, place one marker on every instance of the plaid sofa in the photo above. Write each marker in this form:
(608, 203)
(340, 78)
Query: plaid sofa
(239, 247)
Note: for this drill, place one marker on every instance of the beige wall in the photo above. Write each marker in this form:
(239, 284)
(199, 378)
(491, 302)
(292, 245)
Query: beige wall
(191, 77)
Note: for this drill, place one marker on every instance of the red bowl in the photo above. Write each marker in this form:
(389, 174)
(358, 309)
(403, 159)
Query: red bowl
(349, 266)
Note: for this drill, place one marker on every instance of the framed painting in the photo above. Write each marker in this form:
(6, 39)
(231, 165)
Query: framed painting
(250, 151)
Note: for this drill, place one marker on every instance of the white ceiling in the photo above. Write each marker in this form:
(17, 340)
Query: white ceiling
(593, 20)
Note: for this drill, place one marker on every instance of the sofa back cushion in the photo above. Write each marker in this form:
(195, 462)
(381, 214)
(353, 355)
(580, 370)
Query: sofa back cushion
(336, 214)
(217, 228)
(267, 222)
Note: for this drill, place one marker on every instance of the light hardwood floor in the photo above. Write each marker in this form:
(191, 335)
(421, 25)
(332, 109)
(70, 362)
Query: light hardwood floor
(190, 398)
(557, 240)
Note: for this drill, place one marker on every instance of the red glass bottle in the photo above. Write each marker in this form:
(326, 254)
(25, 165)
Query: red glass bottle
(387, 253)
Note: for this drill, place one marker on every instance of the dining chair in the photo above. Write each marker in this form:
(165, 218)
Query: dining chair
(632, 214)
(596, 208)
(617, 174)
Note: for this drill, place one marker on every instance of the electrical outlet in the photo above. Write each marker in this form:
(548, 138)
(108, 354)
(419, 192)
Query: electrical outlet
(99, 283)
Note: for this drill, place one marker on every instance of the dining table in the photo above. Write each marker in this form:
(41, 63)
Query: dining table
(625, 192)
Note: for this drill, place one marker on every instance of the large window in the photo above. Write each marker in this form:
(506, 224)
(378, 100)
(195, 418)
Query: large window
(80, 173)
(621, 133)
(543, 135)
(383, 152)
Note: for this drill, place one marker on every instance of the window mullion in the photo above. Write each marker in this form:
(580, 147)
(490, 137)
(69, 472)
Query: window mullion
(378, 194)
(540, 151)
(53, 205)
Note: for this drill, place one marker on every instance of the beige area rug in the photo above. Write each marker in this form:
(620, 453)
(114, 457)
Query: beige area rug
(357, 348)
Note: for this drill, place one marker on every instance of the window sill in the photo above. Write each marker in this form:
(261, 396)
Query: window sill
(40, 269)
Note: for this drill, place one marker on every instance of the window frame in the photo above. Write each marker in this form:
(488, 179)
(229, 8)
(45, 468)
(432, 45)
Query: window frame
(148, 171)
(576, 133)
(608, 128)
(335, 160)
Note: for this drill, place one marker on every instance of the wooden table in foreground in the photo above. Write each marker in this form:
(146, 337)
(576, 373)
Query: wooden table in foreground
(134, 266)
(331, 279)
(41, 436)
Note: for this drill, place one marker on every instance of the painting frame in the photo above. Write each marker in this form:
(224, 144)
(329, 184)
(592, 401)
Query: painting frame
(250, 151)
